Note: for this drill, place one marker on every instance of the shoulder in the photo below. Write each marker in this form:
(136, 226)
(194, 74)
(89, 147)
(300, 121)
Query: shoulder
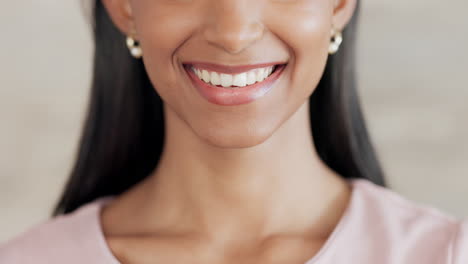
(419, 232)
(460, 245)
(68, 238)
(391, 204)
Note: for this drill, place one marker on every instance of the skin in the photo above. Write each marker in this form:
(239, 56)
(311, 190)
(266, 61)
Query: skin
(235, 184)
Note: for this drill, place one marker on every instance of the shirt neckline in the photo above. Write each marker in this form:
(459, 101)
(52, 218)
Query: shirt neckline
(342, 223)
(99, 203)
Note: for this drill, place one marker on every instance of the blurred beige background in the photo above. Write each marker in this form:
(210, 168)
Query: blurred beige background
(413, 65)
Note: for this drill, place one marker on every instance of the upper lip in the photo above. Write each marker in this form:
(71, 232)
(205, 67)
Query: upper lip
(230, 69)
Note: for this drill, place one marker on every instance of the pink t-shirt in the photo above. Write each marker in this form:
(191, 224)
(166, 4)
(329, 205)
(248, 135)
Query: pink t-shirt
(379, 226)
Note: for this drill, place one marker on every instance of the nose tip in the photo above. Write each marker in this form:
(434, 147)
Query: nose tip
(232, 32)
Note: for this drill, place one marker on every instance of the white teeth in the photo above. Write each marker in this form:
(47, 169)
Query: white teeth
(270, 70)
(266, 73)
(197, 72)
(236, 80)
(226, 80)
(240, 80)
(260, 75)
(215, 79)
(206, 76)
(251, 77)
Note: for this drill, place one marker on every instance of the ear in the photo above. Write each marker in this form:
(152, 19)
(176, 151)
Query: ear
(120, 13)
(343, 12)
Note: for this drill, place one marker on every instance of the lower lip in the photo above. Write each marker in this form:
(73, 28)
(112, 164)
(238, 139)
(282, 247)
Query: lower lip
(234, 96)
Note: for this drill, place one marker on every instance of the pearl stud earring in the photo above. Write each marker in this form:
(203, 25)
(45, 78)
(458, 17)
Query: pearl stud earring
(336, 41)
(134, 48)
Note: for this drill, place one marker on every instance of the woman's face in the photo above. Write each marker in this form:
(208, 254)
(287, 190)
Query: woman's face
(209, 34)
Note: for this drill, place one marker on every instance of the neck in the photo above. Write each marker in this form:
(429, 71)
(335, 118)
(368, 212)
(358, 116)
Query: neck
(278, 186)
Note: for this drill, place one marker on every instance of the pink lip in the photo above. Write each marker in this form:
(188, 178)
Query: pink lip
(234, 96)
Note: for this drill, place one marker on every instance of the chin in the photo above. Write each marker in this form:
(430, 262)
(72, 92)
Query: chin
(238, 138)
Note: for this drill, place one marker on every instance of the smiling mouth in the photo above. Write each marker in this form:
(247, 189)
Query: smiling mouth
(233, 85)
(235, 77)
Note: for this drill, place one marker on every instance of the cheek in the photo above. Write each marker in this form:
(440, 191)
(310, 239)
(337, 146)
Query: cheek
(162, 31)
(308, 41)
